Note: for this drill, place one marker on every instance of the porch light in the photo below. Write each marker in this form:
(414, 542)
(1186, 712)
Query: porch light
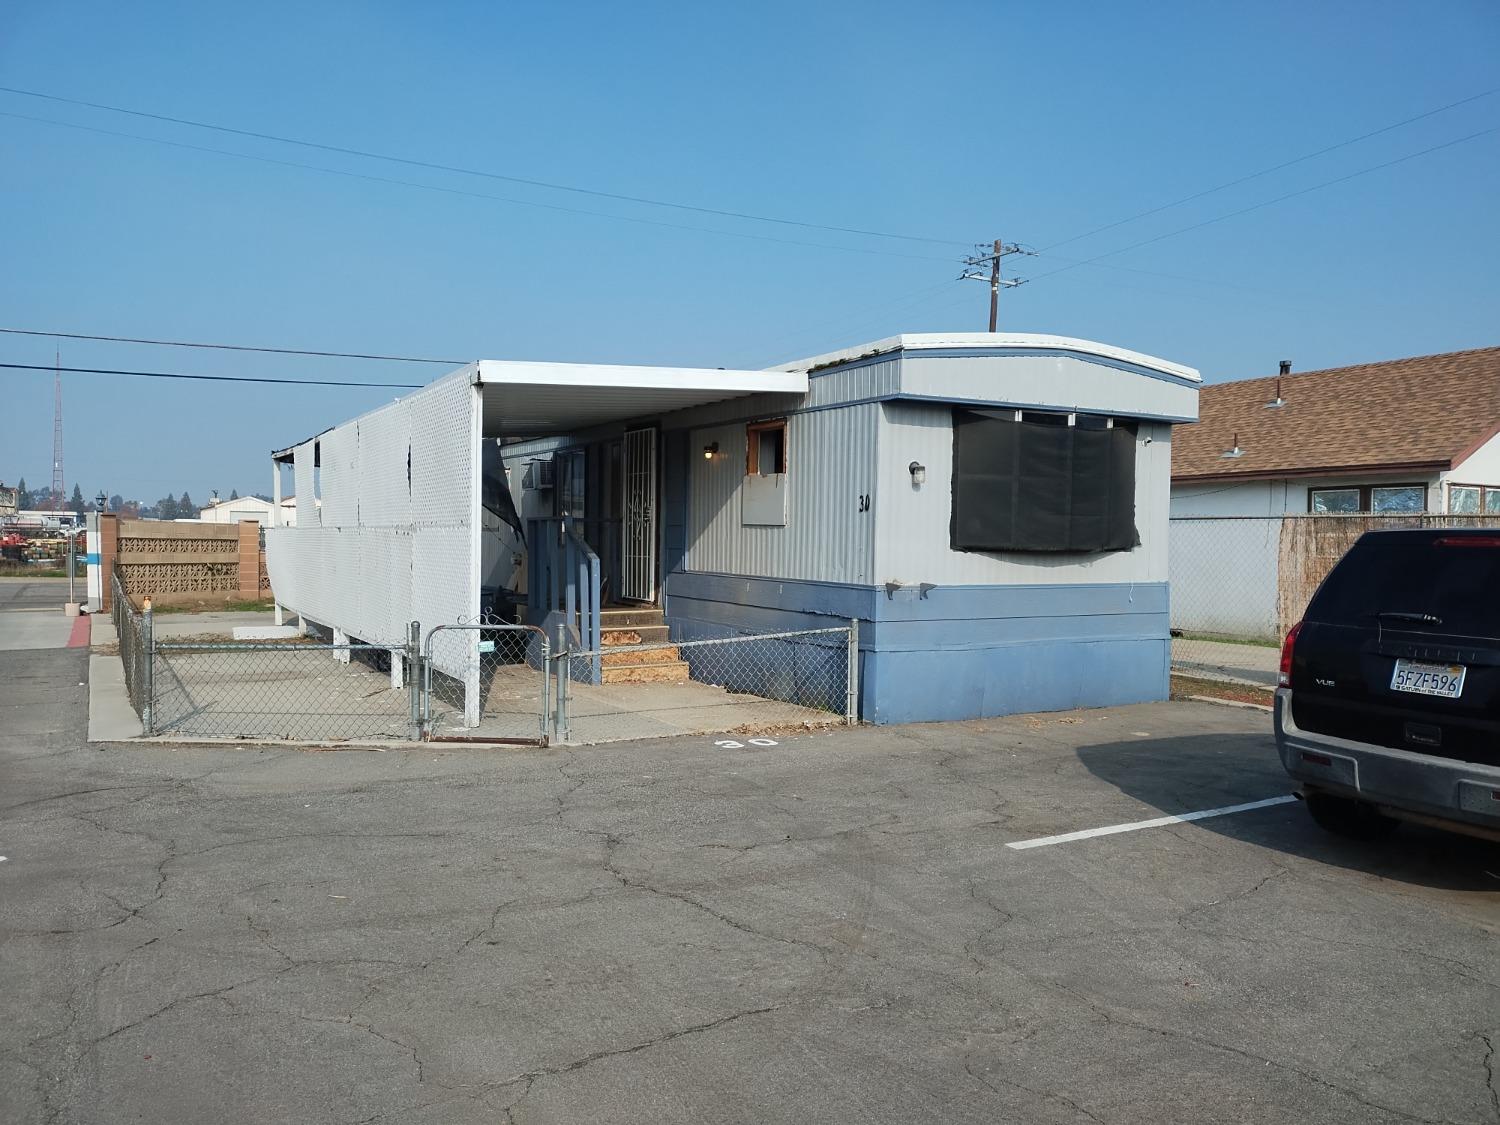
(918, 474)
(709, 450)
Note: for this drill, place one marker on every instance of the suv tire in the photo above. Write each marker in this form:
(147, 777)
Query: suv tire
(1345, 816)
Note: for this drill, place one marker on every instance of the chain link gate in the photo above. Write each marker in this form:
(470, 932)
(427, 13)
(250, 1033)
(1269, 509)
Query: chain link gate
(486, 681)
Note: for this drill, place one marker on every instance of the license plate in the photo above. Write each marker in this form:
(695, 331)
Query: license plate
(1443, 680)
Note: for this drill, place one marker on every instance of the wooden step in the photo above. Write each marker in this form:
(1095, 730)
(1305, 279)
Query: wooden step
(636, 635)
(675, 672)
(630, 618)
(666, 654)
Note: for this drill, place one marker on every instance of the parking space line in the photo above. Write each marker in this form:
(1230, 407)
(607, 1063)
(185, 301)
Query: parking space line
(1158, 822)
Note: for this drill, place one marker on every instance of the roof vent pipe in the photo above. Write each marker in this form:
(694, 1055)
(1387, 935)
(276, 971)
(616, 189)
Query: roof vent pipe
(1236, 451)
(1278, 401)
(1286, 367)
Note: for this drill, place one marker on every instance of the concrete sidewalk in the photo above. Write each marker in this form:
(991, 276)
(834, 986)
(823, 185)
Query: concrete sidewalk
(1219, 660)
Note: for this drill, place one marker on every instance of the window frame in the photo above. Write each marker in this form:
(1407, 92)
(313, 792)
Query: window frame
(753, 433)
(1366, 501)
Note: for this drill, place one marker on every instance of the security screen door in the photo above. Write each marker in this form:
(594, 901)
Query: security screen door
(638, 583)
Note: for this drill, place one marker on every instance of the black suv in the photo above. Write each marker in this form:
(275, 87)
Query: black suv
(1389, 705)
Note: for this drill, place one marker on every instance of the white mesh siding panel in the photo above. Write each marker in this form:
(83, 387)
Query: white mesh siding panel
(398, 537)
(339, 476)
(302, 484)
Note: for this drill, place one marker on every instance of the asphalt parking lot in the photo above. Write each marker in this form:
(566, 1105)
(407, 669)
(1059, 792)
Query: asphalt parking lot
(829, 929)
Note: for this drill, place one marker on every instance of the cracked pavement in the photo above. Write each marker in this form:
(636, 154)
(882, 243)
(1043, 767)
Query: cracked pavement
(827, 930)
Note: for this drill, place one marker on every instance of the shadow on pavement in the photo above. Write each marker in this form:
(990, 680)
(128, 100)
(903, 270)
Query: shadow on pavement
(1178, 775)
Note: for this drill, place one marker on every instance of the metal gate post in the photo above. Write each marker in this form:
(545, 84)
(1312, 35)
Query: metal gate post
(427, 682)
(413, 660)
(147, 656)
(851, 679)
(563, 660)
(546, 715)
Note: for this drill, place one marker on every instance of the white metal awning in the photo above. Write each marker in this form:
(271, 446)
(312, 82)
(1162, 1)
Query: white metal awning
(539, 399)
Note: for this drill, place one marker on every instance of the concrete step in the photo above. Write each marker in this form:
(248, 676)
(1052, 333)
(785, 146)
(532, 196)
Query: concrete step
(667, 654)
(623, 618)
(675, 672)
(635, 635)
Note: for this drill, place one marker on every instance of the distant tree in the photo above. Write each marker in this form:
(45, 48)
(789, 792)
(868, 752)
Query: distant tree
(78, 503)
(166, 508)
(186, 509)
(234, 494)
(23, 499)
(116, 502)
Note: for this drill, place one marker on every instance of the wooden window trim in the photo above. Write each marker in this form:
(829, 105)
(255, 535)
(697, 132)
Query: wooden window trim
(1366, 495)
(752, 444)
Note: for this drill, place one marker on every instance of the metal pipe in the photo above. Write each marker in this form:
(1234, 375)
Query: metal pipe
(851, 701)
(148, 656)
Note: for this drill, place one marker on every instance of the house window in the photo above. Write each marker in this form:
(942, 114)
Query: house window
(1036, 484)
(766, 442)
(1464, 499)
(1386, 499)
(1334, 500)
(1399, 498)
(1473, 499)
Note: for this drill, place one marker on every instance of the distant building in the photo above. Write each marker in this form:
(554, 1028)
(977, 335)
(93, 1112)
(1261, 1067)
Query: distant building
(1405, 435)
(250, 508)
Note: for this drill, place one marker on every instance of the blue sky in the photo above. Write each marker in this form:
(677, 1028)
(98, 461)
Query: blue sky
(955, 121)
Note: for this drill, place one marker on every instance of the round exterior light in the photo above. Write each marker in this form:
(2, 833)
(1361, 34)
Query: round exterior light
(918, 473)
(709, 450)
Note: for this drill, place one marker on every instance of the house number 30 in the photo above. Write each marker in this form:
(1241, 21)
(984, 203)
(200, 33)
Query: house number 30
(864, 502)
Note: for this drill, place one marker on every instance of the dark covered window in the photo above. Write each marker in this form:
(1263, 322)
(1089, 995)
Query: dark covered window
(1038, 483)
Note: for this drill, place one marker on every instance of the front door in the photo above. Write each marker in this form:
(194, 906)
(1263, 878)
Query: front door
(638, 581)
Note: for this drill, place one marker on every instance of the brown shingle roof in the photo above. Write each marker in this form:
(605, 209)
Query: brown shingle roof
(1425, 412)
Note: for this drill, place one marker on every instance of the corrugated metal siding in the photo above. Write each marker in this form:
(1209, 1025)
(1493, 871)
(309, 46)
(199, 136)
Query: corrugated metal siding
(912, 524)
(831, 389)
(830, 465)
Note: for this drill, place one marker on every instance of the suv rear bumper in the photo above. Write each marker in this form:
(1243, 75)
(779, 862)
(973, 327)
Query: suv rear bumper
(1463, 796)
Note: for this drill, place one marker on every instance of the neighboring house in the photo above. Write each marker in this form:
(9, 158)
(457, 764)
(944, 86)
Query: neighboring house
(250, 508)
(1405, 435)
(992, 509)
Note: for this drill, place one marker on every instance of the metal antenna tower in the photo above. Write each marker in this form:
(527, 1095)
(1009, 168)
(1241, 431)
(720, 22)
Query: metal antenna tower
(59, 490)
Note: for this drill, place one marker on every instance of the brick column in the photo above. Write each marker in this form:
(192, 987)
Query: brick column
(249, 550)
(109, 547)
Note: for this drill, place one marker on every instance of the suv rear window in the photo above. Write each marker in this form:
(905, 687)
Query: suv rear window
(1450, 576)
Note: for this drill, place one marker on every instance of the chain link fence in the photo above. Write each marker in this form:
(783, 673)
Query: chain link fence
(744, 684)
(301, 690)
(486, 680)
(1238, 583)
(133, 631)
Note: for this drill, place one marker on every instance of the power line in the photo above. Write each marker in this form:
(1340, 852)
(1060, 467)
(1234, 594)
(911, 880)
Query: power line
(229, 347)
(435, 166)
(467, 194)
(210, 378)
(1269, 202)
(1273, 168)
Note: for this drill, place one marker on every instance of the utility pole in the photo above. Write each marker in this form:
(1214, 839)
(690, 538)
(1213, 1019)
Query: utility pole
(975, 263)
(59, 495)
(995, 284)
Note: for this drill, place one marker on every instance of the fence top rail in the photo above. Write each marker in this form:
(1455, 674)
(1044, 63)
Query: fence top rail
(489, 625)
(267, 646)
(1479, 517)
(842, 630)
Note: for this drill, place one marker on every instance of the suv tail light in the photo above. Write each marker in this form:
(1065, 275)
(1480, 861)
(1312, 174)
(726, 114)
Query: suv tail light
(1284, 678)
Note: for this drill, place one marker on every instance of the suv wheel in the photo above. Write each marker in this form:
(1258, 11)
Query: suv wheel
(1345, 816)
